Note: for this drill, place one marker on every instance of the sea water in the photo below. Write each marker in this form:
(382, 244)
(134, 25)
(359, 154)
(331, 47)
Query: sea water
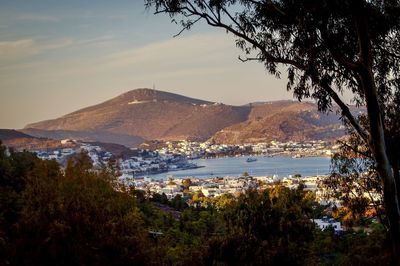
(263, 166)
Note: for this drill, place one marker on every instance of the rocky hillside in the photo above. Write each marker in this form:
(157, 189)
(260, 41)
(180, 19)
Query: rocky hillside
(86, 136)
(145, 114)
(148, 114)
(9, 134)
(21, 141)
(283, 121)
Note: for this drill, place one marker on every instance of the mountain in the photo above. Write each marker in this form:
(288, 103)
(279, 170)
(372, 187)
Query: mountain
(21, 141)
(9, 134)
(146, 114)
(86, 136)
(282, 121)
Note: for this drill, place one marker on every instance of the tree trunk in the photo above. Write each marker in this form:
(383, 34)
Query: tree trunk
(377, 136)
(383, 165)
(396, 174)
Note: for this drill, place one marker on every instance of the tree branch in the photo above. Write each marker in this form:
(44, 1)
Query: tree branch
(339, 57)
(249, 59)
(344, 108)
(355, 150)
(187, 27)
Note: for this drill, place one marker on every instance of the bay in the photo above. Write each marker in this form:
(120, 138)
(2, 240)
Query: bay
(264, 166)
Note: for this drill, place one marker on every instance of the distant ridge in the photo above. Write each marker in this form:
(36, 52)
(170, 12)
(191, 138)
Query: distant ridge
(147, 114)
(8, 134)
(89, 136)
(21, 141)
(283, 121)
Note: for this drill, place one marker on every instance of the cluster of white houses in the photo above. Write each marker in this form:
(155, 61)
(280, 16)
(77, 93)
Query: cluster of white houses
(174, 156)
(218, 186)
(145, 162)
(195, 150)
(61, 155)
(152, 163)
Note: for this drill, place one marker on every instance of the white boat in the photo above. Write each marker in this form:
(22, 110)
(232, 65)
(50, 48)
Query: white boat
(251, 159)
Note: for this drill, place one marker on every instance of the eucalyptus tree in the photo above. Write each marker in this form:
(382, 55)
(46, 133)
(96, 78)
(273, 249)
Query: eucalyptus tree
(327, 47)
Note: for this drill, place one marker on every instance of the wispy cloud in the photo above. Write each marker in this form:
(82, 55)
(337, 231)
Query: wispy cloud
(96, 40)
(18, 48)
(70, 42)
(169, 59)
(31, 46)
(188, 57)
(57, 44)
(95, 15)
(175, 51)
(25, 48)
(38, 18)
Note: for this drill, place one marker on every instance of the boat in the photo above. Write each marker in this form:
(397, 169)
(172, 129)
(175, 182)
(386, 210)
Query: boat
(250, 159)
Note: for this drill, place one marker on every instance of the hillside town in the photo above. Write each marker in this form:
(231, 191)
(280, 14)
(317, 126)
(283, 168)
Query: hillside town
(98, 155)
(144, 162)
(198, 192)
(234, 185)
(182, 155)
(195, 150)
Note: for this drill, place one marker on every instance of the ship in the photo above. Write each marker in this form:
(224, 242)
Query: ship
(251, 159)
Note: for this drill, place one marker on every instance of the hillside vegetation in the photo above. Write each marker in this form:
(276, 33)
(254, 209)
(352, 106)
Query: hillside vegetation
(82, 217)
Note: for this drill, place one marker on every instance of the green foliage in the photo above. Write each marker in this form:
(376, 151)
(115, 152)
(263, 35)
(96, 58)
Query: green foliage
(76, 218)
(186, 183)
(178, 203)
(78, 165)
(161, 198)
(272, 227)
(79, 217)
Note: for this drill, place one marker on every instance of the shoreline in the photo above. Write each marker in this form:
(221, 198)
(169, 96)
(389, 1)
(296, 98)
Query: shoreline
(235, 166)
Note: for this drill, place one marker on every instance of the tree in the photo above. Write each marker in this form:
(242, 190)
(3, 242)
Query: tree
(272, 227)
(197, 198)
(178, 203)
(186, 183)
(245, 174)
(354, 181)
(78, 165)
(328, 46)
(49, 218)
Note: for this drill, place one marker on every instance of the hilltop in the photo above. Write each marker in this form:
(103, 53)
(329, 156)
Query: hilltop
(145, 114)
(283, 121)
(148, 114)
(8, 134)
(20, 141)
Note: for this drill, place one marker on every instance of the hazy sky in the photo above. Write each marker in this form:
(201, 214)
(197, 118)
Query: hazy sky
(58, 56)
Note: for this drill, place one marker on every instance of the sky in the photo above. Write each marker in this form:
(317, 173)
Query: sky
(58, 56)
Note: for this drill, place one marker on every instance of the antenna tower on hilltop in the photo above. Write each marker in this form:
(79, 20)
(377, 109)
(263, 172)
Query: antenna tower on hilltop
(154, 93)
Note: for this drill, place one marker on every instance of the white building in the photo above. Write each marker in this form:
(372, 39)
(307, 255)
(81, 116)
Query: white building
(325, 223)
